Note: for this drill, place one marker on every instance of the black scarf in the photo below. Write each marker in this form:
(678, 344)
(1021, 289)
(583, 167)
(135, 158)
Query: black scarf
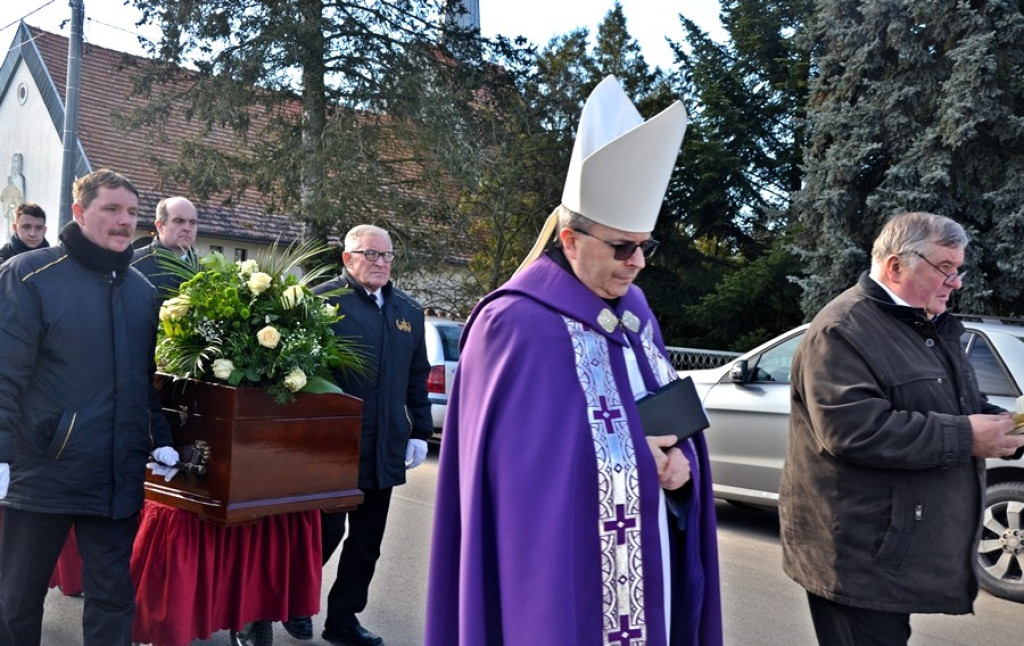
(18, 246)
(92, 255)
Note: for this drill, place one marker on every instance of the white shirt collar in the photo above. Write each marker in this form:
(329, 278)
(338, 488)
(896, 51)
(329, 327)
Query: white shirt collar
(892, 294)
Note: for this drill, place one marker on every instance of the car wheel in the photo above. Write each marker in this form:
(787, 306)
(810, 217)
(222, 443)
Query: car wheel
(1000, 562)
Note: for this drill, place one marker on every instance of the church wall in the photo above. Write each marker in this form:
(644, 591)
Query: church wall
(25, 128)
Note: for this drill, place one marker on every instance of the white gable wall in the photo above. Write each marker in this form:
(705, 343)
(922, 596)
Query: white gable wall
(26, 128)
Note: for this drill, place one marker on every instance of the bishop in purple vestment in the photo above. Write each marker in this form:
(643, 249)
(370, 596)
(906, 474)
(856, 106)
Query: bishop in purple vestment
(557, 521)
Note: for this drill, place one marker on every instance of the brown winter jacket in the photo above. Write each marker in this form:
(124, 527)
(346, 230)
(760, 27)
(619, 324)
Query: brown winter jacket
(880, 500)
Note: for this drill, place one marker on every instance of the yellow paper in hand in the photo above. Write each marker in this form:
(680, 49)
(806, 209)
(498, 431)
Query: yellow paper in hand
(1018, 415)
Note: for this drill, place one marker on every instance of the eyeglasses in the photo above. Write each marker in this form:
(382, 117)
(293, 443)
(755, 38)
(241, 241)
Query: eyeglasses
(950, 277)
(625, 250)
(372, 255)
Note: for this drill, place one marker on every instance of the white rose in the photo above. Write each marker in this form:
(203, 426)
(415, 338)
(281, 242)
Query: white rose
(258, 282)
(330, 310)
(292, 296)
(246, 267)
(174, 308)
(268, 337)
(295, 380)
(222, 369)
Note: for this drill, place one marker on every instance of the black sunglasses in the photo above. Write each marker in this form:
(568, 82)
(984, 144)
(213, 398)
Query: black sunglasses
(625, 250)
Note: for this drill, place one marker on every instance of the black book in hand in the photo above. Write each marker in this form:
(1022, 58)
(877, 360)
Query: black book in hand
(673, 409)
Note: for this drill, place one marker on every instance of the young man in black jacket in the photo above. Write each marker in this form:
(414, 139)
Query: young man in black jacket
(28, 231)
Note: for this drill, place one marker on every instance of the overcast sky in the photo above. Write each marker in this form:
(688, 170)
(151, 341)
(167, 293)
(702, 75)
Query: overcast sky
(110, 24)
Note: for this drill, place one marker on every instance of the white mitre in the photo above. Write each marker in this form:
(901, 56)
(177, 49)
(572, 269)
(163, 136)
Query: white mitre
(620, 165)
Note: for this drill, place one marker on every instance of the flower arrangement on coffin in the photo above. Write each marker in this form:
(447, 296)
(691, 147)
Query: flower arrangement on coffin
(254, 323)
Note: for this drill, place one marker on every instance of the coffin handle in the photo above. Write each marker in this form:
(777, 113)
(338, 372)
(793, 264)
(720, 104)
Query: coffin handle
(194, 457)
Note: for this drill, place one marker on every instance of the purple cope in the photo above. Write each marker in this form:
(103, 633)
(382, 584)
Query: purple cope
(546, 520)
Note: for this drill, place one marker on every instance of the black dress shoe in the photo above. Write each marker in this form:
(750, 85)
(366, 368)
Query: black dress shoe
(354, 636)
(256, 633)
(299, 627)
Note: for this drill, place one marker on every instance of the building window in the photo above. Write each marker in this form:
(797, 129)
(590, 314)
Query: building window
(240, 254)
(216, 248)
(22, 93)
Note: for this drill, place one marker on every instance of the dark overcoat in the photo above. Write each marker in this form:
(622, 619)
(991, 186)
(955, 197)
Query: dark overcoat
(394, 386)
(880, 500)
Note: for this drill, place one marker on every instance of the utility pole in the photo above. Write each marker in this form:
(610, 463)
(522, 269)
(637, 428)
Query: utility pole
(70, 140)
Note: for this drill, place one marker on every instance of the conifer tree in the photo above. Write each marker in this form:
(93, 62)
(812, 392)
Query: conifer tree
(306, 88)
(916, 105)
(730, 196)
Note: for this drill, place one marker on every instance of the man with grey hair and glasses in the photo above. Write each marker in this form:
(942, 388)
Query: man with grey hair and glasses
(389, 326)
(883, 485)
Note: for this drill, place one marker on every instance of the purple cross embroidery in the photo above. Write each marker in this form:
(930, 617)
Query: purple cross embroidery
(624, 634)
(606, 414)
(620, 524)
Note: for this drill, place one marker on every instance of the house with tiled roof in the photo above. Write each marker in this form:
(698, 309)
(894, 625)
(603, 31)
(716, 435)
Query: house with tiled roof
(32, 103)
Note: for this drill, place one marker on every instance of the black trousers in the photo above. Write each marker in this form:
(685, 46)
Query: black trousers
(839, 625)
(30, 543)
(359, 554)
(6, 639)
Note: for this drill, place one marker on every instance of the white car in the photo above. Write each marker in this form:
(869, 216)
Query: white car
(748, 400)
(442, 338)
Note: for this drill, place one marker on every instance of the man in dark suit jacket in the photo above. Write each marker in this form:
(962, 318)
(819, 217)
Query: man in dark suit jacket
(388, 323)
(177, 224)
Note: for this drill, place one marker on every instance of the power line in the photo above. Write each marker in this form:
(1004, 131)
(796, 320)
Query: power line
(118, 28)
(16, 21)
(94, 21)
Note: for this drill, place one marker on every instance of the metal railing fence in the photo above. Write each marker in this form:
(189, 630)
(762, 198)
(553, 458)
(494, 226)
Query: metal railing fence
(695, 359)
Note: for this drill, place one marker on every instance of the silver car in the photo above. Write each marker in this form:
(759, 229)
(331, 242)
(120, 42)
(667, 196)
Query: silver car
(748, 403)
(442, 339)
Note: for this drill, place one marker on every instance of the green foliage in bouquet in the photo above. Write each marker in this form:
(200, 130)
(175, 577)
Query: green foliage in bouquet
(254, 323)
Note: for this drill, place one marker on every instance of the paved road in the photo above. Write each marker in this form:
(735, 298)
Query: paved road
(761, 605)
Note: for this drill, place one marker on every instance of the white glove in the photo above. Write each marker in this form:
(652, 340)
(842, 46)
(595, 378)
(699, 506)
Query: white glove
(5, 479)
(415, 453)
(166, 457)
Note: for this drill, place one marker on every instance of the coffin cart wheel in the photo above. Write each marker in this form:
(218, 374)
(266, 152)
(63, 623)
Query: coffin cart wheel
(257, 633)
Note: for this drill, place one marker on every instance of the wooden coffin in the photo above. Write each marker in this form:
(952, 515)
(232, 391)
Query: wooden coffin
(264, 458)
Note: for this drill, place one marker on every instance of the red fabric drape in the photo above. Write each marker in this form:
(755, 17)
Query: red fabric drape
(194, 578)
(67, 574)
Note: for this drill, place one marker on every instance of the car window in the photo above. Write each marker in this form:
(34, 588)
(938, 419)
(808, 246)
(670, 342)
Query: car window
(774, 363)
(992, 377)
(450, 341)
